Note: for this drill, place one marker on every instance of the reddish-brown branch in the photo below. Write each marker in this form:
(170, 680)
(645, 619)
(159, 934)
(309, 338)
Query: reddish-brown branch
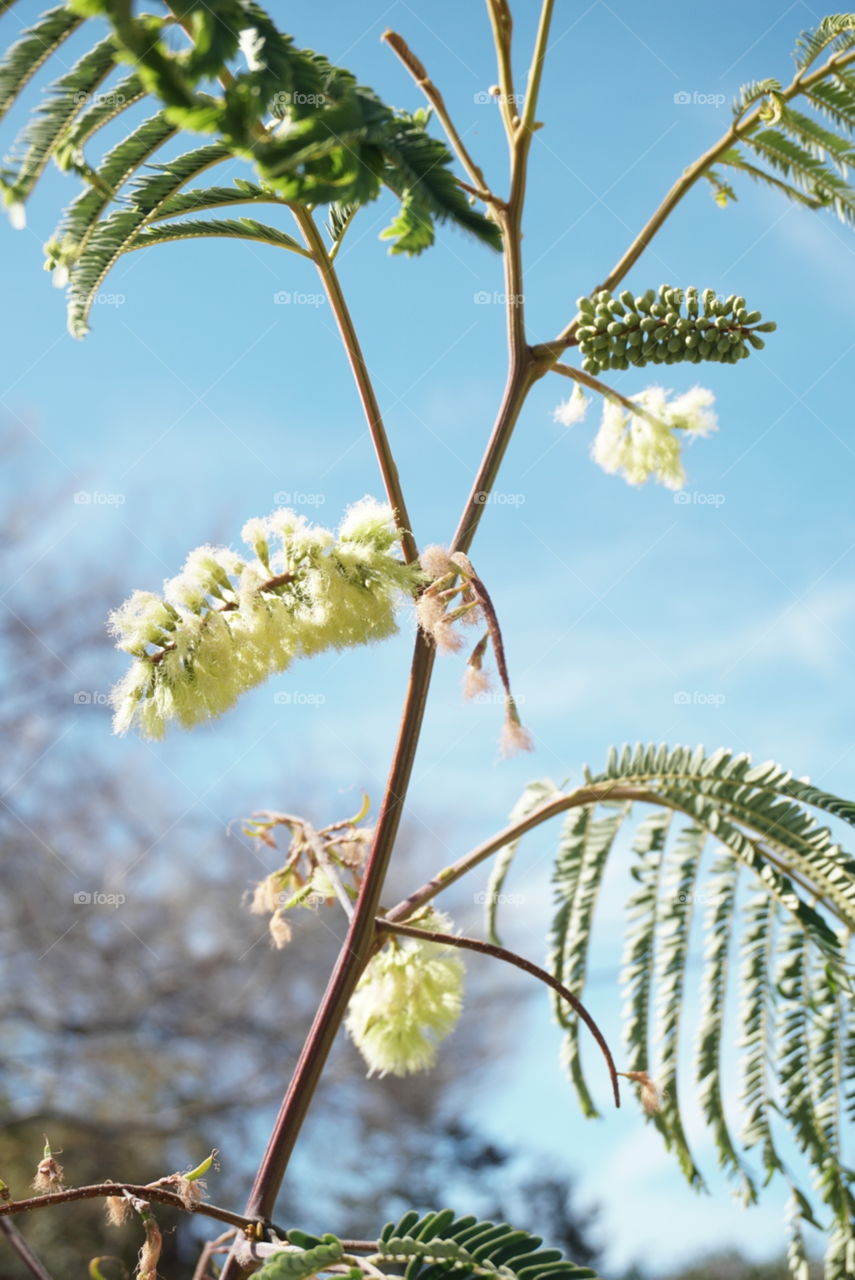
(34, 1264)
(157, 1194)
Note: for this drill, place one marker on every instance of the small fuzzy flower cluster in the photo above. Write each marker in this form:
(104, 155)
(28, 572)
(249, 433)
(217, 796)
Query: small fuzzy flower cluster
(644, 442)
(457, 595)
(49, 1172)
(650, 1096)
(615, 333)
(639, 437)
(306, 877)
(190, 1187)
(408, 1000)
(572, 410)
(227, 622)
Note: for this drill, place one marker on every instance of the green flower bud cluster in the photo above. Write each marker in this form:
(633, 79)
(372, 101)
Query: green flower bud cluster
(227, 621)
(667, 327)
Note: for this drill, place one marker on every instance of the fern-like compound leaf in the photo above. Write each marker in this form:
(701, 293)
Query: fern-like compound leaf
(585, 845)
(33, 50)
(230, 228)
(441, 1244)
(793, 978)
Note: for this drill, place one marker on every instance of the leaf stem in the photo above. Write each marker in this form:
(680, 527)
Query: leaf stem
(527, 123)
(594, 384)
(417, 70)
(583, 795)
(364, 385)
(384, 925)
(740, 126)
(597, 793)
(503, 26)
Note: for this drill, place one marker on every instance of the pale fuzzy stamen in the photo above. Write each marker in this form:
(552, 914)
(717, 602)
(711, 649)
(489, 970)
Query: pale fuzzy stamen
(435, 562)
(429, 612)
(446, 638)
(48, 1175)
(118, 1209)
(514, 738)
(649, 1093)
(280, 931)
(475, 682)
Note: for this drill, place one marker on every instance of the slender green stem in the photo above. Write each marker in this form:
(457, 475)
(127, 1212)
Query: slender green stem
(520, 132)
(417, 70)
(503, 26)
(740, 126)
(594, 794)
(527, 121)
(364, 386)
(594, 384)
(571, 800)
(384, 925)
(518, 385)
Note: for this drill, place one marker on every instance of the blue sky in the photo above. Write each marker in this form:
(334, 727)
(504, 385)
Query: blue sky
(627, 615)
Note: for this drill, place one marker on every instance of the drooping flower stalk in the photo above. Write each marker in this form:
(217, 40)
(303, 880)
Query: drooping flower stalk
(455, 579)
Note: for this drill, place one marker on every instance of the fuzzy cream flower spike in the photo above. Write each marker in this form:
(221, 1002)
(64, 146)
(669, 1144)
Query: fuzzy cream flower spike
(408, 999)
